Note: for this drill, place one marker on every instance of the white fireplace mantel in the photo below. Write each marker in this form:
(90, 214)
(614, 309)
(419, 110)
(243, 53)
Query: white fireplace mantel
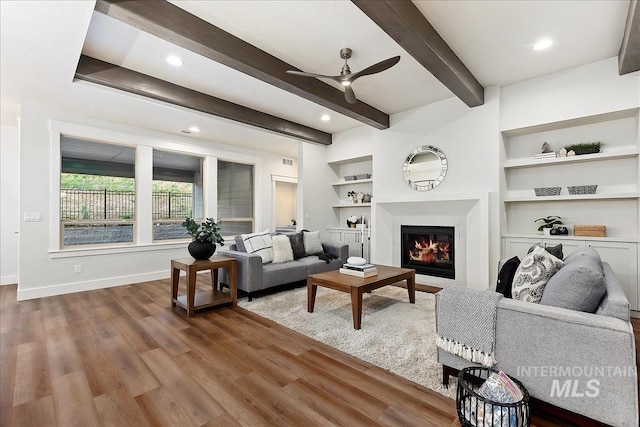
(467, 212)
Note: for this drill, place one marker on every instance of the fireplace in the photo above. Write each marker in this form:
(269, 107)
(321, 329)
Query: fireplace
(429, 250)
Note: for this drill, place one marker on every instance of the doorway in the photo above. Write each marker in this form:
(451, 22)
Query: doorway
(285, 203)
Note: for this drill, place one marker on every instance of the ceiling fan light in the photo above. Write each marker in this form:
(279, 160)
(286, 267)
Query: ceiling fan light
(345, 83)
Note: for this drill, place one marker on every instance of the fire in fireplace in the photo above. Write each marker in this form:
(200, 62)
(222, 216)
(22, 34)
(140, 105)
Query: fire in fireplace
(429, 250)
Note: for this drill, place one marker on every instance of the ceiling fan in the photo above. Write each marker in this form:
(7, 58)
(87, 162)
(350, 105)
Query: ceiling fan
(346, 77)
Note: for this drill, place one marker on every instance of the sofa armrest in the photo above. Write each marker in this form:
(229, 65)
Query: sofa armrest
(615, 302)
(548, 348)
(338, 249)
(249, 270)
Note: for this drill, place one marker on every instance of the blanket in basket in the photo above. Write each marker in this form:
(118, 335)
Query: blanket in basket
(466, 323)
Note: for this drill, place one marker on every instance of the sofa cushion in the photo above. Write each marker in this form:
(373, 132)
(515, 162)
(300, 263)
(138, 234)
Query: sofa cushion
(286, 272)
(259, 244)
(578, 285)
(532, 275)
(505, 276)
(556, 250)
(282, 251)
(312, 242)
(297, 245)
(583, 252)
(316, 265)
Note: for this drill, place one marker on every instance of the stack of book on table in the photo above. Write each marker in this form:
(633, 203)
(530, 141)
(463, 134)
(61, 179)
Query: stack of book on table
(365, 270)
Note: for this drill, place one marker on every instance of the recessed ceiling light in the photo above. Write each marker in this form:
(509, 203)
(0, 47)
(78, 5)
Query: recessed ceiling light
(174, 60)
(325, 118)
(194, 129)
(542, 44)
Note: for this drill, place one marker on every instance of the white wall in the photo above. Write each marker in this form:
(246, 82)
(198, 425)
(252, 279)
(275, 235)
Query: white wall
(46, 271)
(314, 184)
(9, 204)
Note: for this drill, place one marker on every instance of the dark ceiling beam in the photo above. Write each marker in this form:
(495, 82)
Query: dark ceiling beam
(629, 55)
(175, 25)
(404, 23)
(103, 73)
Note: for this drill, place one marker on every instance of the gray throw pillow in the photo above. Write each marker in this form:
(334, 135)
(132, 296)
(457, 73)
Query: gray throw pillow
(578, 285)
(240, 244)
(297, 245)
(312, 242)
(582, 252)
(556, 250)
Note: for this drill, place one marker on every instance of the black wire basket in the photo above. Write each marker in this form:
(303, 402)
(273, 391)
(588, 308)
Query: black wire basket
(477, 411)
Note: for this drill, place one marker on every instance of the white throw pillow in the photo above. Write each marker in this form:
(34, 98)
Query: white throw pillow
(533, 273)
(312, 242)
(282, 251)
(260, 244)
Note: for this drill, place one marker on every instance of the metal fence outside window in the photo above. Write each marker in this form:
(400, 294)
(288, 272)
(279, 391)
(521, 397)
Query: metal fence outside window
(117, 205)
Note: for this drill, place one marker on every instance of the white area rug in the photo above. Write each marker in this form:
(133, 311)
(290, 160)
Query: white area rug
(395, 335)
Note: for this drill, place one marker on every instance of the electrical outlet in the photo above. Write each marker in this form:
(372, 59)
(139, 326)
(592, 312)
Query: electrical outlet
(77, 269)
(32, 217)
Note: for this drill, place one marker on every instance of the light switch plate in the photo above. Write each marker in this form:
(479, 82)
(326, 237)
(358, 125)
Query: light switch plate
(32, 217)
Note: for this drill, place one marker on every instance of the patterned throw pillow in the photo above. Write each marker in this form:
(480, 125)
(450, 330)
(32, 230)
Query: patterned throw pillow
(260, 244)
(312, 242)
(282, 251)
(532, 275)
(556, 250)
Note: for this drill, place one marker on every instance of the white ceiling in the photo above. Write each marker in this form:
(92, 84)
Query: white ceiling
(42, 41)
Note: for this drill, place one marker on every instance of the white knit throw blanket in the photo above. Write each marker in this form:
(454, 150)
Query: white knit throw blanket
(466, 323)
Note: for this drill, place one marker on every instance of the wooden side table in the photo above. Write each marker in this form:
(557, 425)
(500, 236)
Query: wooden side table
(193, 301)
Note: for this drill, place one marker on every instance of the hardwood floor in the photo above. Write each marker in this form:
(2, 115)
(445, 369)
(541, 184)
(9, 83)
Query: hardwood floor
(122, 356)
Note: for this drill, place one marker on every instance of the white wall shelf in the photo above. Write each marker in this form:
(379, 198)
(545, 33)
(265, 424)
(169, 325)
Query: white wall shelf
(354, 182)
(623, 153)
(351, 205)
(566, 197)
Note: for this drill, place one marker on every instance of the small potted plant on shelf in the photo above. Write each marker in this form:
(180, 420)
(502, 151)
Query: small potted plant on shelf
(584, 147)
(205, 236)
(548, 222)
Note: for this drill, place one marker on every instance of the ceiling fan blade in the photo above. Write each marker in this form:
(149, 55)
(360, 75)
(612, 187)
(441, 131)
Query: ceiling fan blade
(350, 95)
(321, 76)
(376, 68)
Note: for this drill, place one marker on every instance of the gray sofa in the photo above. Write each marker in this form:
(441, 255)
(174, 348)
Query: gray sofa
(581, 362)
(255, 277)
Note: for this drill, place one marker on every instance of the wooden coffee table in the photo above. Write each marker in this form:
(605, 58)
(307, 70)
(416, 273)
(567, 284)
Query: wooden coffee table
(356, 286)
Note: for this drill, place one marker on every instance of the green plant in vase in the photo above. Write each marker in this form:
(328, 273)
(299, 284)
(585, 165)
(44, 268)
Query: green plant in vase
(205, 236)
(547, 223)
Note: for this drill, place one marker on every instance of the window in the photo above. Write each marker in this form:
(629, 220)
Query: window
(97, 193)
(177, 193)
(235, 198)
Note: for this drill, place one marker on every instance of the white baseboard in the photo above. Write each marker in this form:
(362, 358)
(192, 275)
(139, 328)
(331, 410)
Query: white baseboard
(9, 280)
(68, 288)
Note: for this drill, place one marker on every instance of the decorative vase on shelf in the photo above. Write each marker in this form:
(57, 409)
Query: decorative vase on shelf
(201, 251)
(546, 231)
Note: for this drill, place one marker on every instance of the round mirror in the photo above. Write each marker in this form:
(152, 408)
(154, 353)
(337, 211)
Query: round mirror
(425, 168)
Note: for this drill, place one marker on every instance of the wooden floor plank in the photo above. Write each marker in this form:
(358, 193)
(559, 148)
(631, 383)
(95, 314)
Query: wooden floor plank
(131, 369)
(292, 411)
(62, 352)
(34, 413)
(197, 404)
(161, 409)
(117, 408)
(72, 401)
(234, 399)
(32, 380)
(166, 338)
(101, 372)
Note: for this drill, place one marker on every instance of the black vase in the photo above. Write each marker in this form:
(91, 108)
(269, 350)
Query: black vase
(201, 250)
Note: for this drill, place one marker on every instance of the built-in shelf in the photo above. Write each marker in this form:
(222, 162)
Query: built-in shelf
(351, 205)
(355, 181)
(624, 239)
(610, 196)
(609, 155)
